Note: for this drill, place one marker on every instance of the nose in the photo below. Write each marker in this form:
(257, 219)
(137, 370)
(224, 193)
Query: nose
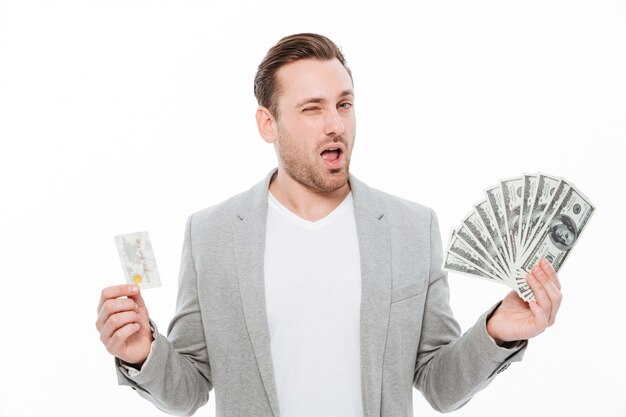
(334, 123)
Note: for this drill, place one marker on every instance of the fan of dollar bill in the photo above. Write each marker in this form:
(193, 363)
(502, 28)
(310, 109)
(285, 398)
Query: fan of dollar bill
(522, 220)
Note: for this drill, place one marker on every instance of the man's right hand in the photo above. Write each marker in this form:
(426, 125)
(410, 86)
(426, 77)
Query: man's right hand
(123, 323)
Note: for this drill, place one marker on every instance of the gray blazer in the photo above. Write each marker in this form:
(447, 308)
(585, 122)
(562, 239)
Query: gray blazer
(219, 336)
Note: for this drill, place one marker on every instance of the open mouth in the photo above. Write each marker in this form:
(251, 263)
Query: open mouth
(331, 154)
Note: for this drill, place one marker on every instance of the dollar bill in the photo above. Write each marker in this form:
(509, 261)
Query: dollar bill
(137, 257)
(521, 286)
(512, 198)
(528, 195)
(546, 186)
(464, 250)
(479, 266)
(472, 227)
(483, 210)
(561, 232)
(455, 263)
(496, 203)
(559, 194)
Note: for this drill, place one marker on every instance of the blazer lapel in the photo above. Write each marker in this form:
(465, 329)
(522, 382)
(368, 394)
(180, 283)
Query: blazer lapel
(375, 252)
(249, 240)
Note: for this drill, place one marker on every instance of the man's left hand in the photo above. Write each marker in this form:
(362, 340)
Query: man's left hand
(516, 319)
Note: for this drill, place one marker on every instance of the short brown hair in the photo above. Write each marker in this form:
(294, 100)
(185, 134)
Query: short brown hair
(289, 49)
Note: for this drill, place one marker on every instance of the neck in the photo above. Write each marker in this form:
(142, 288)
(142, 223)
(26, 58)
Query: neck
(308, 203)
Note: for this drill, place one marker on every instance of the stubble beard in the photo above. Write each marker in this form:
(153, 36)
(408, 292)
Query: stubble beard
(311, 173)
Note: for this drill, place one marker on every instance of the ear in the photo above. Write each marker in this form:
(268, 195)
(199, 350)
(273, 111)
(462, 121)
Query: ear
(266, 124)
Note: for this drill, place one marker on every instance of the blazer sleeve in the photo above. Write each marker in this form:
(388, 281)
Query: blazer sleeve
(450, 368)
(177, 376)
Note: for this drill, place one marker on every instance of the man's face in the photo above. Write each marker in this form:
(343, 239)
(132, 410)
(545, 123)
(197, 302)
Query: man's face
(315, 113)
(564, 235)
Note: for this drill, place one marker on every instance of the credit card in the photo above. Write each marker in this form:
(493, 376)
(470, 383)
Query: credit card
(138, 260)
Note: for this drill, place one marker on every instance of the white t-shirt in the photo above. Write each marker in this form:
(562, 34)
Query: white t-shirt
(313, 299)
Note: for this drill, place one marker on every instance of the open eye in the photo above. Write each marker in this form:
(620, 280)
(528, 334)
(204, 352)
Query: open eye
(345, 105)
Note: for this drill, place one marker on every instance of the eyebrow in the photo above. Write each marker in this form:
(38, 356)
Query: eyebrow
(343, 94)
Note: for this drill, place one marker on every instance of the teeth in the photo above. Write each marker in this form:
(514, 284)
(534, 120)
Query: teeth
(332, 149)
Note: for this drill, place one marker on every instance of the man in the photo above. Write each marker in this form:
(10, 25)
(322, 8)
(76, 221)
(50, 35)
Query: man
(313, 294)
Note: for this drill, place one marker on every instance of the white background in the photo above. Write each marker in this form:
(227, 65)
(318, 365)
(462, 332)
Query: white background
(120, 116)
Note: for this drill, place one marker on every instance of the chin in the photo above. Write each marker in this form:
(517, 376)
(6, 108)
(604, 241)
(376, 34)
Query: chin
(338, 179)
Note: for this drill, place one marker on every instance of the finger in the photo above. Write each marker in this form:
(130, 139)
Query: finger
(551, 290)
(116, 291)
(540, 292)
(116, 322)
(113, 306)
(138, 299)
(540, 316)
(117, 340)
(550, 272)
(140, 308)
